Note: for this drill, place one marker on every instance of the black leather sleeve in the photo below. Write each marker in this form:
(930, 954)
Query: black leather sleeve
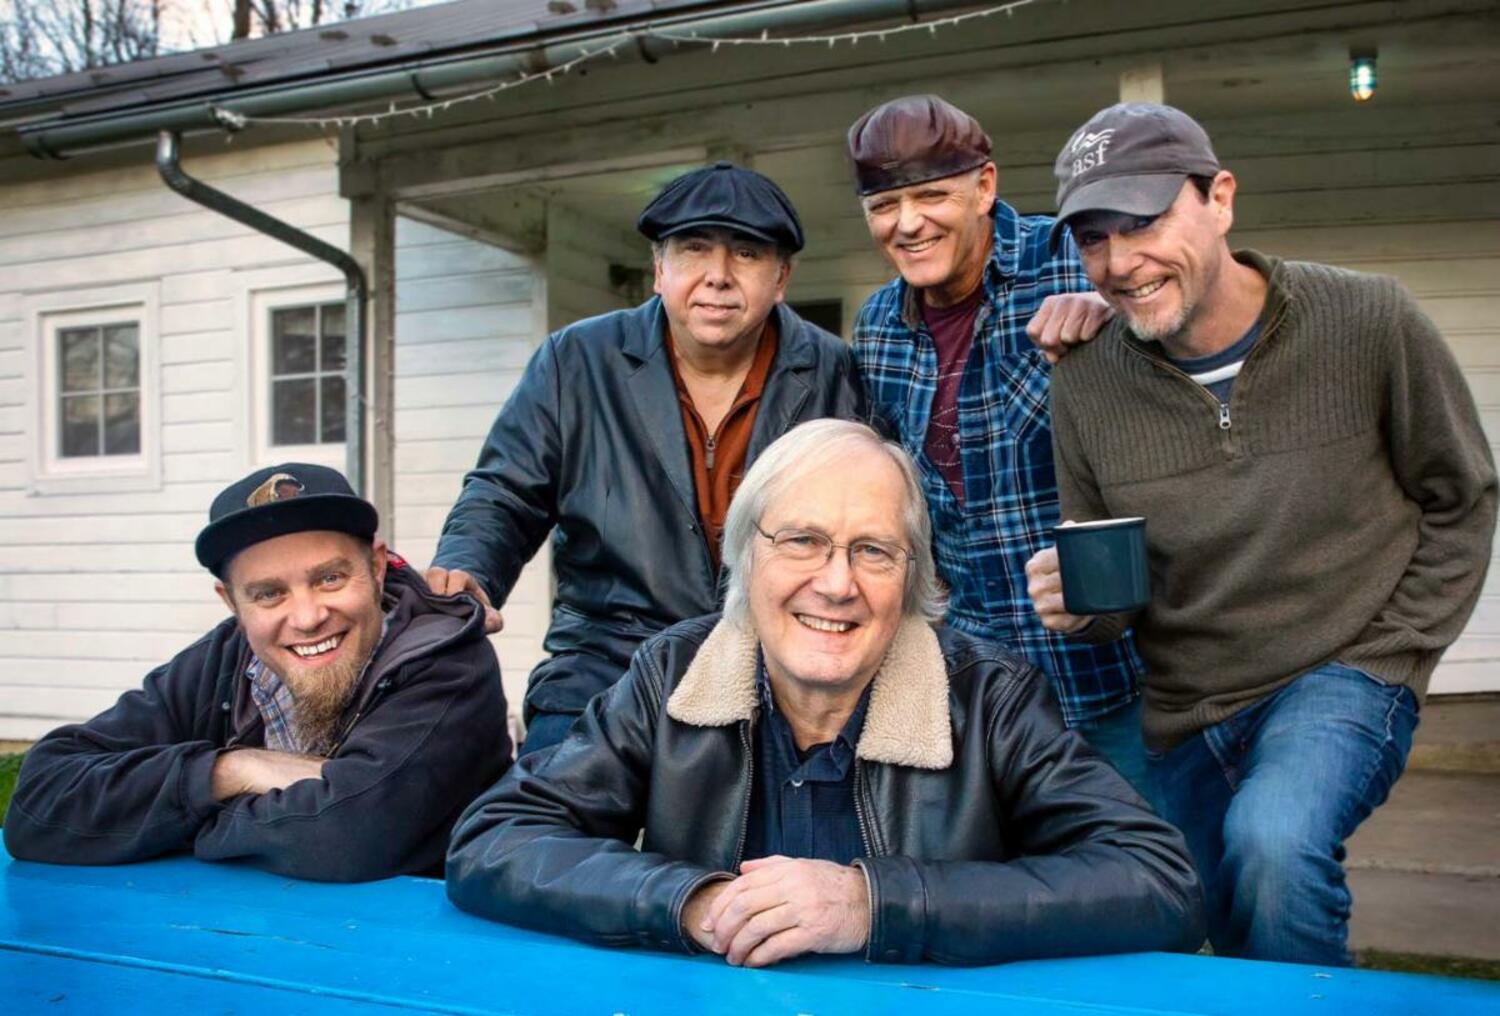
(1096, 870)
(509, 500)
(551, 846)
(132, 783)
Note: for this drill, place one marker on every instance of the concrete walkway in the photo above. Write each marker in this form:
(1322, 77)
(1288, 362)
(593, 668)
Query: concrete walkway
(1425, 868)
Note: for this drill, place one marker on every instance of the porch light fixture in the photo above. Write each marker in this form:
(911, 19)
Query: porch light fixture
(1362, 74)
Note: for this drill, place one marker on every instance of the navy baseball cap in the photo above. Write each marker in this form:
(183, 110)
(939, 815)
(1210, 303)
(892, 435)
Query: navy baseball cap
(726, 196)
(293, 497)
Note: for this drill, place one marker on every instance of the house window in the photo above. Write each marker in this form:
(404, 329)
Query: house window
(307, 374)
(93, 394)
(99, 397)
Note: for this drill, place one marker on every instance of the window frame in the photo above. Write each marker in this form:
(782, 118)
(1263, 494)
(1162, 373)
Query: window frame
(260, 304)
(47, 316)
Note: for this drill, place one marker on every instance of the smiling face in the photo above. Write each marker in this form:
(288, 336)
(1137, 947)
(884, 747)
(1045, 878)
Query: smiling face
(309, 605)
(937, 234)
(1161, 274)
(718, 287)
(824, 627)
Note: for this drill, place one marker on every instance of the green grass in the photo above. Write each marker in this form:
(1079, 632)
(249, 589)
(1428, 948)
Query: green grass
(1415, 963)
(10, 765)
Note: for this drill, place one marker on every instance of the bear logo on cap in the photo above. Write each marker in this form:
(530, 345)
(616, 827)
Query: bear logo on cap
(278, 487)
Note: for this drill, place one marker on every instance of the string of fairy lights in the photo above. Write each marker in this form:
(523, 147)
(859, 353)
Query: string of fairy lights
(609, 47)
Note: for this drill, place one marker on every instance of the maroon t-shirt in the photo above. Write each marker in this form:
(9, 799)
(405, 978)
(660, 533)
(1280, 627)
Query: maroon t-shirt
(952, 330)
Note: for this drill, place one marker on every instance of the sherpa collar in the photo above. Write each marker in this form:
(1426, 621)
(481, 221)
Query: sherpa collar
(907, 723)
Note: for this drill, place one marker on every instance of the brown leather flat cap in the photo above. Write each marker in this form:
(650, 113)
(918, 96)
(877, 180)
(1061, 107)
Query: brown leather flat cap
(913, 139)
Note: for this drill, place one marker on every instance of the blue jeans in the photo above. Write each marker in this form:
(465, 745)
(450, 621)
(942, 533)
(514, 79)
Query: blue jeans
(1266, 799)
(545, 730)
(1117, 736)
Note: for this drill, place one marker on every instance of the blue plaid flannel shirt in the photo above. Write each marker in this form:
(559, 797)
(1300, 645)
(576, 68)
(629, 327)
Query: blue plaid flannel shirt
(1005, 444)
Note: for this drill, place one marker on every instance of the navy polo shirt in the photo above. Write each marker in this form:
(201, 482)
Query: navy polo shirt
(802, 802)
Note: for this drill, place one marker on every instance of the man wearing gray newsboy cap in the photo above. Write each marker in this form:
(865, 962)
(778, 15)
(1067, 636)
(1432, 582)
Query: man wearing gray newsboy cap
(629, 432)
(1319, 500)
(948, 363)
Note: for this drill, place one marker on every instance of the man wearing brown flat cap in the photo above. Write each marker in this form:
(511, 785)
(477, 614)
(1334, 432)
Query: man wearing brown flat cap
(950, 369)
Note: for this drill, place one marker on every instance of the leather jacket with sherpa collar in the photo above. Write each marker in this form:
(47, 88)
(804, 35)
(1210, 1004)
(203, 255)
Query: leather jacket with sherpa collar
(991, 831)
(590, 448)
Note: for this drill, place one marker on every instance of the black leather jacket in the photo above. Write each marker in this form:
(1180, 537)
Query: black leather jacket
(992, 832)
(591, 442)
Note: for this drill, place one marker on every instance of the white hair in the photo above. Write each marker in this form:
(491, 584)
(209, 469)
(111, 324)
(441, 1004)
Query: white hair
(810, 448)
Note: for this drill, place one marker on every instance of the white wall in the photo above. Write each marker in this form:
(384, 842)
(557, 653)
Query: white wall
(468, 316)
(97, 588)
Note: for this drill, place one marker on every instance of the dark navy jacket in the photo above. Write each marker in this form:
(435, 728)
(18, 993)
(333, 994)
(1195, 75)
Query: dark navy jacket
(590, 447)
(424, 734)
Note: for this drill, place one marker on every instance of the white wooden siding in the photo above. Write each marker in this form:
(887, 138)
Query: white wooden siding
(98, 588)
(468, 316)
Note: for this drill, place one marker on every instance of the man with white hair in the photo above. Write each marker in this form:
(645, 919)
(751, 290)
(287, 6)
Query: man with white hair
(821, 770)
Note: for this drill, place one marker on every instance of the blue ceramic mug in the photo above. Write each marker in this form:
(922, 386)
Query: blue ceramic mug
(1103, 565)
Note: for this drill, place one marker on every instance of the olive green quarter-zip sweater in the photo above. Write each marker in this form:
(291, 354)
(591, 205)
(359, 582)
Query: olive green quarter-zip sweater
(1341, 507)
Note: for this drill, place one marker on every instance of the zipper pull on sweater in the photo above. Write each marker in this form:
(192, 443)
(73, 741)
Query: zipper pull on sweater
(1224, 416)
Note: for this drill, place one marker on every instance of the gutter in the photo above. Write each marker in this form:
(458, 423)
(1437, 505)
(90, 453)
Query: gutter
(355, 294)
(425, 79)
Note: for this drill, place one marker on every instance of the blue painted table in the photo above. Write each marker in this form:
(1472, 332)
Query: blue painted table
(181, 936)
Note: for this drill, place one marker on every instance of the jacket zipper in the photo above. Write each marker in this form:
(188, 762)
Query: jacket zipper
(739, 848)
(708, 452)
(859, 808)
(338, 742)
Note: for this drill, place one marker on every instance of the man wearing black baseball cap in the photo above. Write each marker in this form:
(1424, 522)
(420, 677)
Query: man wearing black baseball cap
(629, 432)
(1319, 500)
(333, 728)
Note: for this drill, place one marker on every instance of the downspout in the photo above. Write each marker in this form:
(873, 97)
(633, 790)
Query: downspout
(356, 295)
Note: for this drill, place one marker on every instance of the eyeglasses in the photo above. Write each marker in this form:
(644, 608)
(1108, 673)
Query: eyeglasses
(811, 549)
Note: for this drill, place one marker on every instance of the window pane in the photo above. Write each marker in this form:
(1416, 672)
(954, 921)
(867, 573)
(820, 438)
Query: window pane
(294, 340)
(333, 342)
(122, 356)
(122, 424)
(79, 356)
(333, 410)
(79, 433)
(293, 412)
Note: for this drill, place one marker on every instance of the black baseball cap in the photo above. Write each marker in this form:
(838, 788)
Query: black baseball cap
(729, 197)
(293, 497)
(1130, 158)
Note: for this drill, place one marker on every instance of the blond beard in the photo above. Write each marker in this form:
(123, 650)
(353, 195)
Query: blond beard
(321, 695)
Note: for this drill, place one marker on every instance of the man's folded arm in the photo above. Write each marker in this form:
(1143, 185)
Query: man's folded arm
(509, 500)
(1093, 869)
(423, 750)
(551, 846)
(130, 784)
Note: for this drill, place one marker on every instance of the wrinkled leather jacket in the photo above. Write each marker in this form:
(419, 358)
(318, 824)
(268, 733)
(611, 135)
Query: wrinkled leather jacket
(992, 832)
(591, 442)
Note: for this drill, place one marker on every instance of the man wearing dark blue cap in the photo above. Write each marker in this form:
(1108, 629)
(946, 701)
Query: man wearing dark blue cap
(629, 432)
(333, 728)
